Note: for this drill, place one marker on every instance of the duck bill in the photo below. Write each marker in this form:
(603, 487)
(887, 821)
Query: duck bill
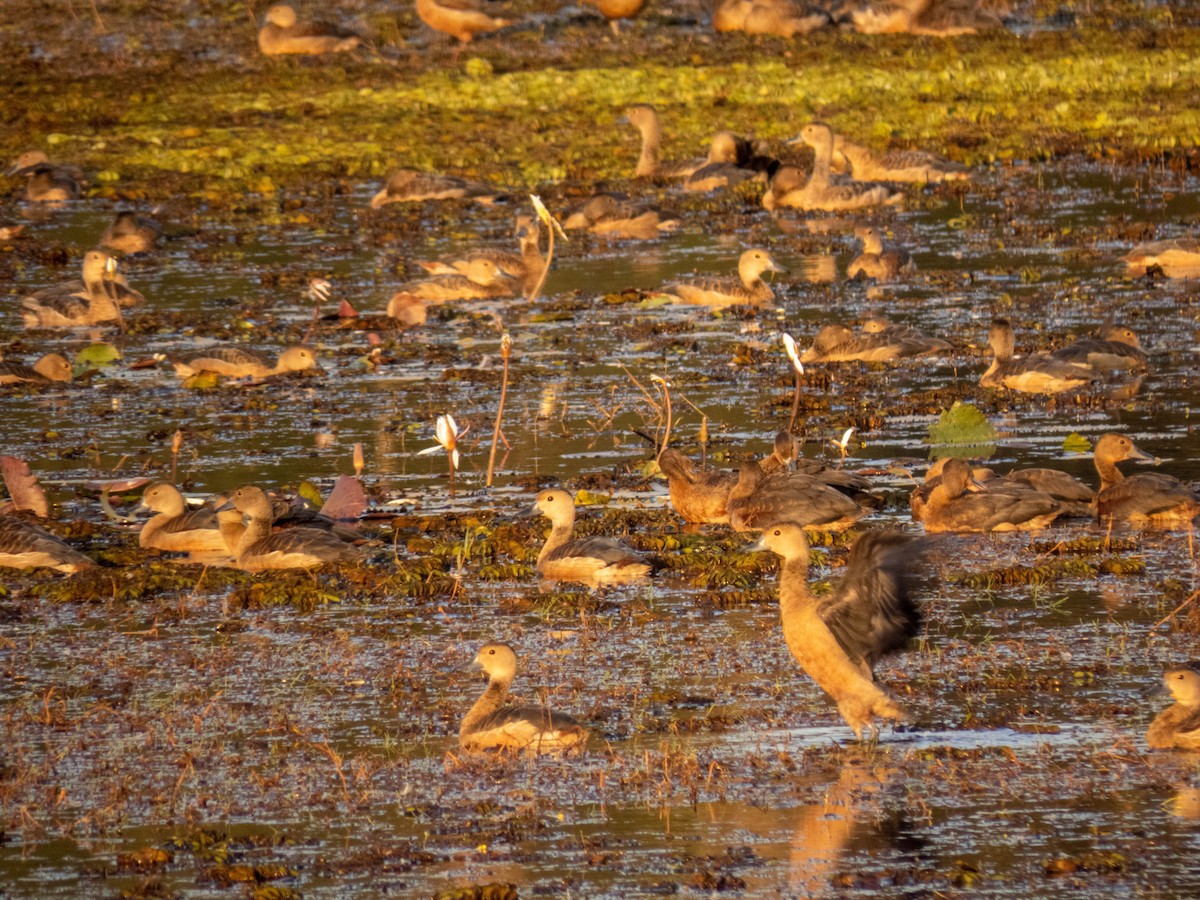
(1135, 453)
(758, 546)
(1159, 690)
(529, 512)
(224, 507)
(976, 487)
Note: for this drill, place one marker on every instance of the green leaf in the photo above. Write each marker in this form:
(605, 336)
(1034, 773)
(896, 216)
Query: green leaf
(1077, 443)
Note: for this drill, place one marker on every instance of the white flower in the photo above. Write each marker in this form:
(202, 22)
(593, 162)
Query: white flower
(318, 289)
(844, 444)
(448, 436)
(789, 344)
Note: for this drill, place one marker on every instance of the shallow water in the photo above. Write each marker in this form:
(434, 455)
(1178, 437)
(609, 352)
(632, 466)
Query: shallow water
(325, 742)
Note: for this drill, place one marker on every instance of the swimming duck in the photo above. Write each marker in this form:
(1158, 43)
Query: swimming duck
(98, 298)
(130, 233)
(618, 217)
(260, 548)
(51, 367)
(875, 262)
(644, 118)
(1033, 374)
(748, 289)
(1075, 499)
(937, 18)
(45, 181)
(731, 160)
(838, 638)
(175, 527)
(1178, 726)
(757, 500)
(490, 725)
(24, 546)
(1114, 348)
(837, 343)
(1148, 498)
(590, 560)
(1177, 258)
(411, 186)
(781, 18)
(282, 34)
(616, 10)
(480, 279)
(820, 190)
(526, 268)
(959, 503)
(898, 165)
(459, 19)
(238, 362)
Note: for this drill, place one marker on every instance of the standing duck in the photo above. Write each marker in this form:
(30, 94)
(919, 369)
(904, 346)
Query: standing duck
(838, 638)
(748, 289)
(1178, 726)
(175, 527)
(491, 725)
(589, 560)
(1033, 374)
(876, 262)
(820, 191)
(282, 34)
(616, 10)
(1145, 499)
(459, 19)
(958, 503)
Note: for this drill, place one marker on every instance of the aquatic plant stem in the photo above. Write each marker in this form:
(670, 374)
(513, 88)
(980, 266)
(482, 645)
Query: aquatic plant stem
(664, 385)
(505, 355)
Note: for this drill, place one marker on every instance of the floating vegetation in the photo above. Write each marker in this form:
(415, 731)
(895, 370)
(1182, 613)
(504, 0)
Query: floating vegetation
(965, 430)
(1048, 572)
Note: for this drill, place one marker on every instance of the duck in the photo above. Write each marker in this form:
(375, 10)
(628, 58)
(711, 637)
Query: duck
(820, 191)
(1145, 499)
(479, 279)
(238, 362)
(526, 268)
(936, 18)
(876, 262)
(259, 548)
(282, 34)
(644, 118)
(25, 546)
(730, 161)
(96, 299)
(758, 499)
(837, 343)
(130, 233)
(1032, 374)
(589, 560)
(46, 182)
(492, 725)
(49, 368)
(616, 10)
(175, 527)
(618, 217)
(747, 289)
(1174, 258)
(1178, 726)
(459, 19)
(914, 166)
(1115, 348)
(412, 186)
(780, 18)
(1075, 499)
(958, 503)
(838, 638)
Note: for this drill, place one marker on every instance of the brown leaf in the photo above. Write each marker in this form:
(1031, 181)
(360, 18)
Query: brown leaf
(23, 486)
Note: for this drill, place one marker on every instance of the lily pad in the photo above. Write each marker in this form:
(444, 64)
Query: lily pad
(1077, 443)
(964, 428)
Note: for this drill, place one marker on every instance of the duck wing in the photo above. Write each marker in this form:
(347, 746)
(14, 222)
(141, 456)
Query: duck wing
(871, 611)
(608, 551)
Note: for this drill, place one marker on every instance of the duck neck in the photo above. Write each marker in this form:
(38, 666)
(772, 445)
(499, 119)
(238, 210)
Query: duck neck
(256, 530)
(793, 586)
(822, 157)
(648, 162)
(872, 243)
(491, 700)
(559, 535)
(1109, 473)
(531, 251)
